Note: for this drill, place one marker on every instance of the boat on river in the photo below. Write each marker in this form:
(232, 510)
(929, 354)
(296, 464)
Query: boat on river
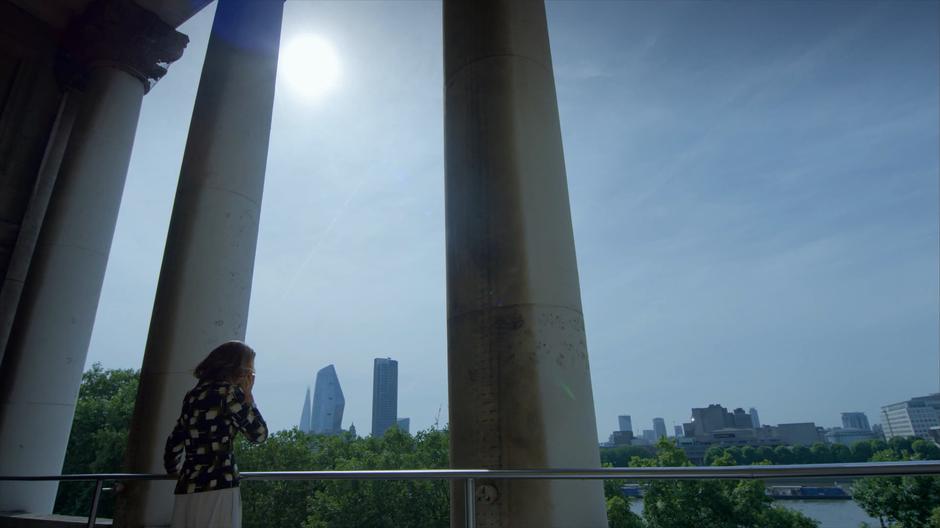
(808, 493)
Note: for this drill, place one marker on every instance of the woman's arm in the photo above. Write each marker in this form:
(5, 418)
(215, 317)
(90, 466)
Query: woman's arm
(173, 452)
(246, 416)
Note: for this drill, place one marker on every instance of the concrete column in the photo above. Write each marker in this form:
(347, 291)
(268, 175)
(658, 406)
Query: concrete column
(109, 67)
(519, 382)
(205, 282)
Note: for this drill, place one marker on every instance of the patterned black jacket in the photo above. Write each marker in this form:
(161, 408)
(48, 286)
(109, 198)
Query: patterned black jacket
(213, 413)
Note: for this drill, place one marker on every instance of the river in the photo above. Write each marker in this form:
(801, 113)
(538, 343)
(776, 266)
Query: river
(830, 514)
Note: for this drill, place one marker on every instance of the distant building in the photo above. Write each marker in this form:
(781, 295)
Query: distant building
(913, 417)
(649, 436)
(678, 430)
(328, 403)
(799, 434)
(696, 447)
(715, 426)
(755, 419)
(659, 428)
(715, 417)
(855, 420)
(626, 424)
(841, 435)
(404, 424)
(305, 414)
(384, 395)
(879, 431)
(352, 430)
(619, 438)
(741, 419)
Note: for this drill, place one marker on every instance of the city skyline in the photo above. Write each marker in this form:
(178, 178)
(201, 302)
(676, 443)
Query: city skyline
(738, 211)
(849, 420)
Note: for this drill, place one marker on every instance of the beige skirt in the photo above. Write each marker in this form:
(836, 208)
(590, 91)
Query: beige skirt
(209, 509)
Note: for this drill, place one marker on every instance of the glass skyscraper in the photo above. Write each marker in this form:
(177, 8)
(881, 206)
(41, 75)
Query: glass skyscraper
(328, 403)
(305, 414)
(325, 416)
(384, 395)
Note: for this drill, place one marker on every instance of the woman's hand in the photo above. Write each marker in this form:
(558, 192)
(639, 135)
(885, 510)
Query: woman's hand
(247, 382)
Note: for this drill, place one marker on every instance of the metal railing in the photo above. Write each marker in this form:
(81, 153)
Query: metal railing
(470, 476)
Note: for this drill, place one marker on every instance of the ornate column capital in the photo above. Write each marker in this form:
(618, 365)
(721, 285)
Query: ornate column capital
(118, 34)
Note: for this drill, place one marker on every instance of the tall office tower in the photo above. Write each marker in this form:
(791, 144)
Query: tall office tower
(404, 424)
(328, 403)
(755, 419)
(659, 427)
(384, 395)
(626, 424)
(305, 414)
(913, 417)
(855, 420)
(678, 430)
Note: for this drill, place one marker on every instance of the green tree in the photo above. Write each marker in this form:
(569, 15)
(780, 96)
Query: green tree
(278, 502)
(935, 518)
(748, 456)
(783, 455)
(840, 453)
(785, 518)
(377, 503)
(712, 503)
(904, 502)
(620, 456)
(736, 455)
(98, 437)
(801, 455)
(901, 444)
(765, 454)
(619, 514)
(345, 503)
(713, 453)
(861, 451)
(820, 454)
(924, 450)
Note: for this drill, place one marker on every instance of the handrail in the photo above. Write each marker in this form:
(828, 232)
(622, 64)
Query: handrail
(856, 469)
(470, 476)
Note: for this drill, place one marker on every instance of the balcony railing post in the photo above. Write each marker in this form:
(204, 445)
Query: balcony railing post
(93, 514)
(470, 503)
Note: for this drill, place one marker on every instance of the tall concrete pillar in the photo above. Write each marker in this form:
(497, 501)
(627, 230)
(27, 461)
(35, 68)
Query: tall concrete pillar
(205, 282)
(110, 57)
(519, 382)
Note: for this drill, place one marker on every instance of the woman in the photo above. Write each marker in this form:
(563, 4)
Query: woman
(214, 411)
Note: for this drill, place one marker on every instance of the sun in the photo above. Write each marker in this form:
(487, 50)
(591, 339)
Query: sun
(310, 66)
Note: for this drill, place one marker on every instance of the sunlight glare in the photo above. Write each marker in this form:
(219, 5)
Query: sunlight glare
(310, 66)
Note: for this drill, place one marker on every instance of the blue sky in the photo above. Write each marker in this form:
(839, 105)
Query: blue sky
(754, 192)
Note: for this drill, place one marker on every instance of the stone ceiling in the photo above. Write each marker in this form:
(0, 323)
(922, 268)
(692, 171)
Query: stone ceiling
(57, 13)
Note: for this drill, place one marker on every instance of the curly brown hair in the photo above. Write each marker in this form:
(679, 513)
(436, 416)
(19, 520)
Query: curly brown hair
(227, 362)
